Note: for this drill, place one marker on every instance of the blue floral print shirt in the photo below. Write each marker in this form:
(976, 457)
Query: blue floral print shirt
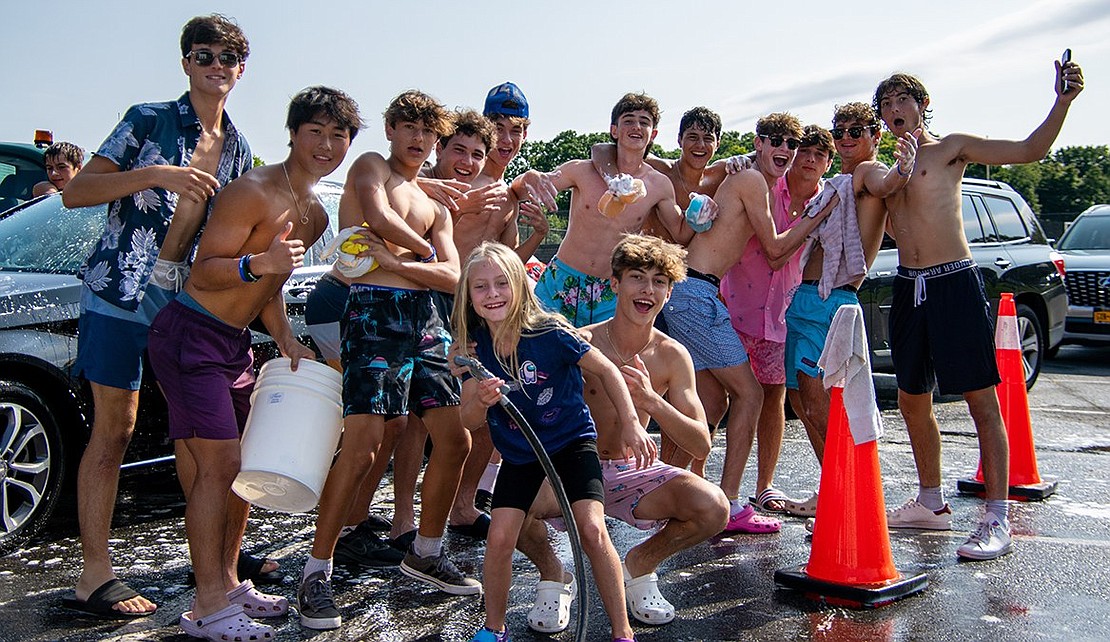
(165, 133)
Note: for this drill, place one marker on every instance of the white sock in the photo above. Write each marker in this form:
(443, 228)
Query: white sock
(314, 564)
(1000, 508)
(489, 477)
(427, 546)
(735, 506)
(931, 498)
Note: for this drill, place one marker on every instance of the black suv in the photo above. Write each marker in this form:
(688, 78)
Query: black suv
(1013, 254)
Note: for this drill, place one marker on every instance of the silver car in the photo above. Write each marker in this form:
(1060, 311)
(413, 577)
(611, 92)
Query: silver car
(1085, 246)
(45, 411)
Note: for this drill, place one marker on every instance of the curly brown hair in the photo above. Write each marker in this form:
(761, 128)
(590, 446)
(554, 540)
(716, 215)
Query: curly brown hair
(779, 124)
(641, 252)
(819, 137)
(469, 122)
(417, 107)
(855, 111)
(912, 85)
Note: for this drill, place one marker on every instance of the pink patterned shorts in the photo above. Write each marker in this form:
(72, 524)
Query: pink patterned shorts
(768, 359)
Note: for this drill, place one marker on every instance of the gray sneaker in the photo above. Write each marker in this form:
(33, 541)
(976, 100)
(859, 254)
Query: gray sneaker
(317, 604)
(990, 540)
(363, 547)
(440, 573)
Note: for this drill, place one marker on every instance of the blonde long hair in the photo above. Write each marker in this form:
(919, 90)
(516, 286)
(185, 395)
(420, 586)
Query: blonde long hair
(525, 314)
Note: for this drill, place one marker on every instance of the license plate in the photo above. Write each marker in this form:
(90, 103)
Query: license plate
(1102, 316)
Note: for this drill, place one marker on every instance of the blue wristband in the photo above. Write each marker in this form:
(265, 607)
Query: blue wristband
(431, 257)
(898, 168)
(245, 269)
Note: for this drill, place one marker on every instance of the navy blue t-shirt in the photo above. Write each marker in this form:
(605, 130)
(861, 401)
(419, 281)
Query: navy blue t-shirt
(547, 389)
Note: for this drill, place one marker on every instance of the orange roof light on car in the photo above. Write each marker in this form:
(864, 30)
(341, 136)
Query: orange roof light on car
(44, 138)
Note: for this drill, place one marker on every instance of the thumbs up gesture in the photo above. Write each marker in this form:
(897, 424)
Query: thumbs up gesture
(282, 257)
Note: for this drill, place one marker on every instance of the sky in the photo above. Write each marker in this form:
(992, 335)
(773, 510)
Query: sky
(73, 67)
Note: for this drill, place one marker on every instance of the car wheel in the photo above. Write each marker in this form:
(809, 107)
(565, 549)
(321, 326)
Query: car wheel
(1032, 342)
(32, 464)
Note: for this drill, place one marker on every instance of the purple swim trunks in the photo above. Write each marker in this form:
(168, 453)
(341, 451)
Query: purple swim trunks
(205, 369)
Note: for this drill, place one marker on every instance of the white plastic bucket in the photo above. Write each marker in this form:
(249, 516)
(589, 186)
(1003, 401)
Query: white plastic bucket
(291, 435)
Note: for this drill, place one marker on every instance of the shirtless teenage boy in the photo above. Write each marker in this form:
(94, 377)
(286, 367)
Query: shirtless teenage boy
(856, 132)
(699, 133)
(757, 290)
(62, 161)
(940, 320)
(200, 346)
(700, 321)
(576, 281)
(394, 354)
(159, 193)
(681, 507)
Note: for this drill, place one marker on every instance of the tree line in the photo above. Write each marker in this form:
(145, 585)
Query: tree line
(1068, 180)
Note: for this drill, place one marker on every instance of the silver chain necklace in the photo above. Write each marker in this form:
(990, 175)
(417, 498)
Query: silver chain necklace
(296, 203)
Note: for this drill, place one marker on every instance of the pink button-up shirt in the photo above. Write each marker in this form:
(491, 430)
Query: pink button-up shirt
(756, 295)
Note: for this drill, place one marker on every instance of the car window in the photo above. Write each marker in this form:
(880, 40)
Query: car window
(1007, 220)
(46, 237)
(1087, 233)
(17, 178)
(973, 226)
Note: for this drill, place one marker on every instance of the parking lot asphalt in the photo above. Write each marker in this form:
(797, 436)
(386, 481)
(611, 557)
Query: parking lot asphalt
(1053, 587)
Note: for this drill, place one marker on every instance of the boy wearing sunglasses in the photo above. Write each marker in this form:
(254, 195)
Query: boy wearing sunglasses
(940, 324)
(856, 132)
(756, 290)
(699, 320)
(158, 171)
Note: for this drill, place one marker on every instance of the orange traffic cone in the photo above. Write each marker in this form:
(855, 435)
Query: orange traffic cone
(850, 562)
(1025, 479)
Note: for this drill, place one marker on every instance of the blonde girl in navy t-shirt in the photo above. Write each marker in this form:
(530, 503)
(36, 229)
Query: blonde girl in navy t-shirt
(541, 359)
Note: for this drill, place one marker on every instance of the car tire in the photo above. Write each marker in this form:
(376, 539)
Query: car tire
(32, 464)
(1031, 339)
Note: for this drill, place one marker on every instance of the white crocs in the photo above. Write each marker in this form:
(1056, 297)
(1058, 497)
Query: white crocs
(551, 612)
(644, 599)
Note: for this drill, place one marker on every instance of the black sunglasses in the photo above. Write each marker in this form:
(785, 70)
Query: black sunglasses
(204, 57)
(791, 143)
(854, 132)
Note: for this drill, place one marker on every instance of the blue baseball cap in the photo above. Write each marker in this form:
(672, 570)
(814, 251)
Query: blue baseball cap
(506, 99)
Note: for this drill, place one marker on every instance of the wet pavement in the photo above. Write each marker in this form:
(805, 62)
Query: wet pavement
(1054, 586)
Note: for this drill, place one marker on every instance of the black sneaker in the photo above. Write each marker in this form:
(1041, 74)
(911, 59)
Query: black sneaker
(483, 501)
(363, 547)
(378, 523)
(440, 573)
(403, 541)
(317, 604)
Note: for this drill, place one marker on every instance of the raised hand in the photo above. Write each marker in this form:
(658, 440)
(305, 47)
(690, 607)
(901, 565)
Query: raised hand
(1071, 73)
(488, 198)
(905, 151)
(446, 191)
(540, 187)
(531, 214)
